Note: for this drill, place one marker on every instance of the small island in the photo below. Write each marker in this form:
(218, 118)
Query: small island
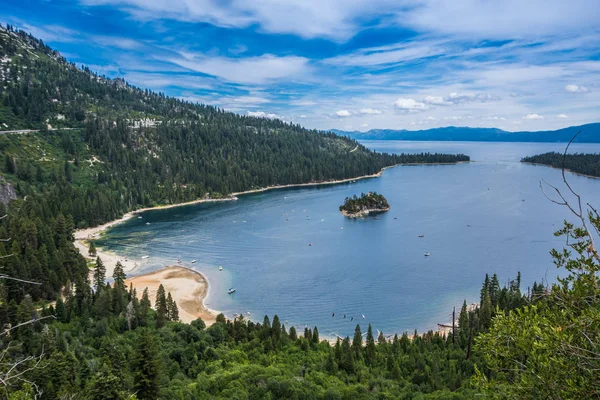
(369, 203)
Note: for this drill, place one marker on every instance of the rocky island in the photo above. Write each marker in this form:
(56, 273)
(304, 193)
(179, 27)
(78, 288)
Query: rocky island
(369, 203)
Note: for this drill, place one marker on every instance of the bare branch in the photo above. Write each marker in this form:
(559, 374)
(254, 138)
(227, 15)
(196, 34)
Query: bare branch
(31, 321)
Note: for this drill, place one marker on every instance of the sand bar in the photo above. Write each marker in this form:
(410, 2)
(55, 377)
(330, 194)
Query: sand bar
(188, 288)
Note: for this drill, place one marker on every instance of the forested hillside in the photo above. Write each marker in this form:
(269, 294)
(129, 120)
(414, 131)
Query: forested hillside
(135, 148)
(586, 164)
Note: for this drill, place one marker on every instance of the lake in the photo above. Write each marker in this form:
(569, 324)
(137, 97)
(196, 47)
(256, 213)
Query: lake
(487, 216)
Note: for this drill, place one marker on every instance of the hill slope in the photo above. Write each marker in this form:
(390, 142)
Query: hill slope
(101, 147)
(590, 133)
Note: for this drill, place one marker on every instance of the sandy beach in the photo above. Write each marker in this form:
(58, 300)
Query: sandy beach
(187, 287)
(176, 275)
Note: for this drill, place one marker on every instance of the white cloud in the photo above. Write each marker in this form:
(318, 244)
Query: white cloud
(303, 103)
(370, 111)
(562, 116)
(343, 113)
(434, 100)
(407, 104)
(458, 98)
(250, 70)
(576, 89)
(392, 54)
(501, 19)
(250, 100)
(262, 114)
(533, 116)
(307, 18)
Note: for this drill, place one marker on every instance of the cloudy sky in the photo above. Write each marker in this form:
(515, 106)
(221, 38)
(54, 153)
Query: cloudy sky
(346, 64)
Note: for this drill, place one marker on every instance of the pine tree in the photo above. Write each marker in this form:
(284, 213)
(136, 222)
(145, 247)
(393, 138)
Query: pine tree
(99, 274)
(92, 249)
(357, 342)
(330, 365)
(494, 290)
(119, 278)
(293, 334)
(347, 363)
(175, 312)
(61, 311)
(315, 335)
(147, 368)
(463, 324)
(145, 306)
(169, 307)
(370, 350)
(485, 312)
(120, 289)
(161, 306)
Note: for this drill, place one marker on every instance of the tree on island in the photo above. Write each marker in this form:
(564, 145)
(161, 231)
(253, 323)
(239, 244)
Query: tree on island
(367, 202)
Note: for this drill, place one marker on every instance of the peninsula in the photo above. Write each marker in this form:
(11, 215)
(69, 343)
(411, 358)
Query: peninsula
(369, 203)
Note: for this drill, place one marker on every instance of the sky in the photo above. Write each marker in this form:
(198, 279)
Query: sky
(344, 64)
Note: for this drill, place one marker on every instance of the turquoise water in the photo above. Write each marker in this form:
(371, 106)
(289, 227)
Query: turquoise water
(482, 217)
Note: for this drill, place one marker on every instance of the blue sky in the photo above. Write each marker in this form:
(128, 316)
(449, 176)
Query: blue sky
(351, 64)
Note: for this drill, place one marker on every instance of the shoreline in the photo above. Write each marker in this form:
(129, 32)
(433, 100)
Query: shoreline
(92, 232)
(188, 288)
(109, 259)
(560, 168)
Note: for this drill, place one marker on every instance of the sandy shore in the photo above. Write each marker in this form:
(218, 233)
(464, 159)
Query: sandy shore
(187, 287)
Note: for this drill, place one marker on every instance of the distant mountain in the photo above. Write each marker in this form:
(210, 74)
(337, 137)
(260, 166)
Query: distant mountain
(590, 133)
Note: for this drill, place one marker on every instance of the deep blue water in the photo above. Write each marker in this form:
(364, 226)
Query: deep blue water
(481, 217)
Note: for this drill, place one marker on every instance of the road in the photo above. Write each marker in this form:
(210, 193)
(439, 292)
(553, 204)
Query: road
(23, 131)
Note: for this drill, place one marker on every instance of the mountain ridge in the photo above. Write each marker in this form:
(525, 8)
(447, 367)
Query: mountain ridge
(590, 133)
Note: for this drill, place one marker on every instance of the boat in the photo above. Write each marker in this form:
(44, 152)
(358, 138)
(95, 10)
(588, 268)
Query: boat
(194, 261)
(147, 223)
(310, 244)
(220, 268)
(421, 235)
(231, 290)
(342, 228)
(139, 217)
(145, 257)
(426, 254)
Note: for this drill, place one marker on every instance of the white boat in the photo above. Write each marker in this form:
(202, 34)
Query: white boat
(147, 223)
(427, 254)
(220, 268)
(144, 257)
(421, 236)
(194, 261)
(139, 217)
(231, 290)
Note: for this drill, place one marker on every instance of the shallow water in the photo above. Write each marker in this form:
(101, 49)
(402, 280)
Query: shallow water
(481, 217)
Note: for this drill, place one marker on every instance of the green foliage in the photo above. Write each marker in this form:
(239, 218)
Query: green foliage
(550, 349)
(586, 164)
(366, 201)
